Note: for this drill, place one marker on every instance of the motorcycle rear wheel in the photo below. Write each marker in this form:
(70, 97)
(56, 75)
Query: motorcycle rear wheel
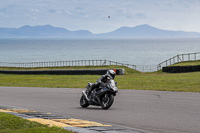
(107, 101)
(83, 102)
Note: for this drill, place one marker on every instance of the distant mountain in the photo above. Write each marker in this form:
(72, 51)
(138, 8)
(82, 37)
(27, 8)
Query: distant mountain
(48, 31)
(147, 31)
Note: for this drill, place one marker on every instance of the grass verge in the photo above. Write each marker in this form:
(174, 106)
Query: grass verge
(70, 68)
(187, 63)
(13, 124)
(187, 82)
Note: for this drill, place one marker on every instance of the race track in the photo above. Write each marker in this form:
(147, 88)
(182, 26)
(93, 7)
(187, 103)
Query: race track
(155, 111)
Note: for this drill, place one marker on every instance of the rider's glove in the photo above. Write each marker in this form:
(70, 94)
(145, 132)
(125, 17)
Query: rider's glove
(102, 84)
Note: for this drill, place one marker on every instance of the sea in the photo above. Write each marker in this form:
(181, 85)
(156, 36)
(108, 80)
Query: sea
(130, 51)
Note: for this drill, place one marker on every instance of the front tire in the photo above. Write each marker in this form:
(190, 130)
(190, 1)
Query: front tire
(107, 101)
(83, 102)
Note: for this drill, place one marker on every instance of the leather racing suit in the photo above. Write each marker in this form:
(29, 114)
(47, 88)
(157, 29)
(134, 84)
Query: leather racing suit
(101, 80)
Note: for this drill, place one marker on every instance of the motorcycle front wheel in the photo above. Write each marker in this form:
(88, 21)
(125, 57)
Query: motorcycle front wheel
(107, 101)
(83, 102)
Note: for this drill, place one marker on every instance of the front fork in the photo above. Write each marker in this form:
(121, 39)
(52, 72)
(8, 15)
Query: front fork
(85, 95)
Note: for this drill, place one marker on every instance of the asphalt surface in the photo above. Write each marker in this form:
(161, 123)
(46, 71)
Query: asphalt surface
(154, 111)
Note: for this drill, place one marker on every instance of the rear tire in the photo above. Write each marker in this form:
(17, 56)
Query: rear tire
(83, 102)
(107, 101)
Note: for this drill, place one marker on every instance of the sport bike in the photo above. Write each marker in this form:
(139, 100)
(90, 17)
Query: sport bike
(102, 96)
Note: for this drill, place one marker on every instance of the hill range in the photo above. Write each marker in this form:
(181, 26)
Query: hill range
(48, 31)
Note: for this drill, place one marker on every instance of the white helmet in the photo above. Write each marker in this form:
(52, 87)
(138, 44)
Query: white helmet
(111, 73)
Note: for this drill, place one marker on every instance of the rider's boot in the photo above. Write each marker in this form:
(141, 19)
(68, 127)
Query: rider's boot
(90, 89)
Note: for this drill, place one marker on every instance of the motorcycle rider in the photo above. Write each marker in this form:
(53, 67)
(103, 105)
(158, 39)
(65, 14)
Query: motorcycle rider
(109, 74)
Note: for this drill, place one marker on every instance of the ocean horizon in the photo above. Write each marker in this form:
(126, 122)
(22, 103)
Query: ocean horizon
(130, 51)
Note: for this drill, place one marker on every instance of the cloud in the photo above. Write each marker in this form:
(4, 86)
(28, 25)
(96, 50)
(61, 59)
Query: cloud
(3, 12)
(4, 15)
(141, 15)
(34, 10)
(68, 12)
(93, 14)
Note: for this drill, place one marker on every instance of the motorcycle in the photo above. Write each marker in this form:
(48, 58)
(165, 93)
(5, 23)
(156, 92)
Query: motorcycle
(102, 96)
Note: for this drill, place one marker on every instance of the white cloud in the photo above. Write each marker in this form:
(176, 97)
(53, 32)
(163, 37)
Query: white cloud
(34, 10)
(68, 12)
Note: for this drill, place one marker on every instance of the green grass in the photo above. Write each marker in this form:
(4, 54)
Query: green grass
(188, 82)
(187, 63)
(13, 124)
(68, 68)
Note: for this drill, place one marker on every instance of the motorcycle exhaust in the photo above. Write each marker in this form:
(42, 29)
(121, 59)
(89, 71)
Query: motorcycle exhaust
(85, 95)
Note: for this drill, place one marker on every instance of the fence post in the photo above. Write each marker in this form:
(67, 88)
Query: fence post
(188, 57)
(158, 67)
(178, 58)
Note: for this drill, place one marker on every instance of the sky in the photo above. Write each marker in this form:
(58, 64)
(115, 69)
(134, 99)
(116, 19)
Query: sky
(100, 16)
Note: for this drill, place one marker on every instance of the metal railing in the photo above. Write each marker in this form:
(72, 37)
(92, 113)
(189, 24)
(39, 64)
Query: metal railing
(179, 58)
(74, 63)
(66, 63)
(146, 68)
(142, 68)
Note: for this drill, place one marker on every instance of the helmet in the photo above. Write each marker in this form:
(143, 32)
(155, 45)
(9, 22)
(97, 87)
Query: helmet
(111, 73)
